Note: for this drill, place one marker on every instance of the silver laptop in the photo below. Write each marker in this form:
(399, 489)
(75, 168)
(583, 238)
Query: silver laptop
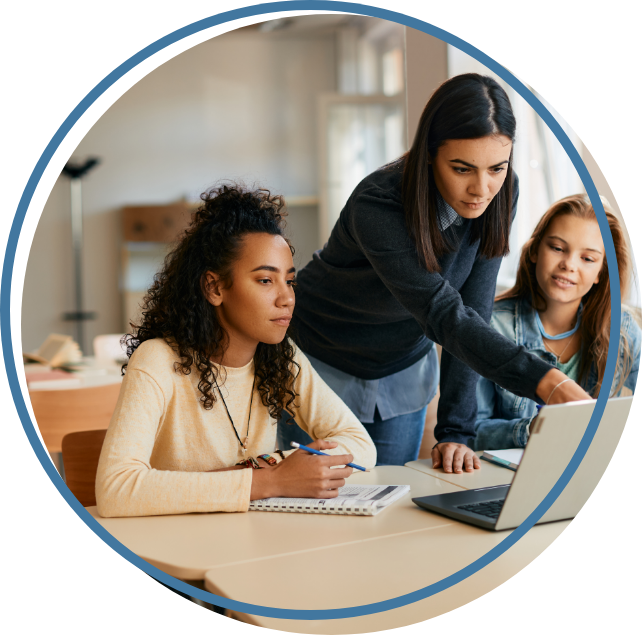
(555, 435)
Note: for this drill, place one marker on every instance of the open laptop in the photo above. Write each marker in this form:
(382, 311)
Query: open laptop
(555, 435)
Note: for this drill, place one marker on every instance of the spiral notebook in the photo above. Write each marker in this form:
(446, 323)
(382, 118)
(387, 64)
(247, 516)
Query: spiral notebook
(353, 500)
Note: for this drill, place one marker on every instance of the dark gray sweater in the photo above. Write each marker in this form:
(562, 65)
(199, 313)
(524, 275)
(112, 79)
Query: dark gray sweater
(367, 307)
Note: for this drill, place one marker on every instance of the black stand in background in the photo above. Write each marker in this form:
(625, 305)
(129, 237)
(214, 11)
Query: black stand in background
(75, 172)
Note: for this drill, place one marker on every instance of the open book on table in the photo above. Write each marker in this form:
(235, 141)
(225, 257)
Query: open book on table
(57, 350)
(353, 500)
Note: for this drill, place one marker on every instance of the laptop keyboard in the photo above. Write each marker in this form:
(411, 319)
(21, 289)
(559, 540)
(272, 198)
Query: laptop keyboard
(489, 508)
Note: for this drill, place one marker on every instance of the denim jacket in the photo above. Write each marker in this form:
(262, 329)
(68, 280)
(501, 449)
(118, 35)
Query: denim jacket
(502, 417)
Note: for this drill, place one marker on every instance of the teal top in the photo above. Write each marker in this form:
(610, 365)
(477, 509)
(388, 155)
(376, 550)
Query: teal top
(571, 368)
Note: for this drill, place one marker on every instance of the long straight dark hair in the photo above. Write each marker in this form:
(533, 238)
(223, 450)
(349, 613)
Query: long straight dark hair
(468, 106)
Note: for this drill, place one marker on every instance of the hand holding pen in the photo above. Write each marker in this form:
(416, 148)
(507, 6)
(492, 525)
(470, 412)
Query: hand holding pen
(301, 475)
(294, 444)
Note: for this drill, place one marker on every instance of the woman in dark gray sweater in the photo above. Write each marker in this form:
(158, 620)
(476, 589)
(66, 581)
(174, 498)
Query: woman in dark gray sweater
(413, 261)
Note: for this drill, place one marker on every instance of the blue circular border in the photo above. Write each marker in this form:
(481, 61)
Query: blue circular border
(120, 71)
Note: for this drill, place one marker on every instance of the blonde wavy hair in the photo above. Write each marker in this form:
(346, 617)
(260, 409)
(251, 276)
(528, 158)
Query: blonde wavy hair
(596, 316)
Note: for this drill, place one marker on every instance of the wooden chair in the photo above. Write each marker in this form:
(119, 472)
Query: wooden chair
(60, 412)
(80, 454)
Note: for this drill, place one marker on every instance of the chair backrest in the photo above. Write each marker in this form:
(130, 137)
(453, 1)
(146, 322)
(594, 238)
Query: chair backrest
(80, 454)
(109, 348)
(59, 412)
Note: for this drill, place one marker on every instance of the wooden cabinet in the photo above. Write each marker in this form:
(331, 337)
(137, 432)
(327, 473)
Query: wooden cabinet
(155, 223)
(148, 233)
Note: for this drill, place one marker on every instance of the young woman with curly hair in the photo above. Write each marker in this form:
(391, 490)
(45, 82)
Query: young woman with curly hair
(212, 369)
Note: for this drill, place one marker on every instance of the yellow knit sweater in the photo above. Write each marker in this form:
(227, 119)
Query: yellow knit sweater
(161, 443)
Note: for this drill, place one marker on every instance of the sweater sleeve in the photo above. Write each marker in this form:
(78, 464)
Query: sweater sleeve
(323, 415)
(471, 344)
(126, 483)
(457, 406)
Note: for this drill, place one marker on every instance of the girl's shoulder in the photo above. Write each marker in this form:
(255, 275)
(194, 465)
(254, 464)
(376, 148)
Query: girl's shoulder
(154, 357)
(505, 305)
(299, 357)
(505, 313)
(303, 370)
(630, 328)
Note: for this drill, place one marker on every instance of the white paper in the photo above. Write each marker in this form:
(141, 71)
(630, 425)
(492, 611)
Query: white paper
(513, 456)
(352, 499)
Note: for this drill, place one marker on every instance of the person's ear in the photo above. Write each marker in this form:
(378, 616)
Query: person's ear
(213, 287)
(533, 257)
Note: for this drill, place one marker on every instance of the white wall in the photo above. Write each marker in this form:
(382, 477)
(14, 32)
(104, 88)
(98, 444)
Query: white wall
(240, 106)
(634, 297)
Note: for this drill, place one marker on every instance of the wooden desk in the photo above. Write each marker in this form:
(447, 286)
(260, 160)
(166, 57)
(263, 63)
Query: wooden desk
(389, 567)
(488, 476)
(186, 546)
(83, 401)
(401, 550)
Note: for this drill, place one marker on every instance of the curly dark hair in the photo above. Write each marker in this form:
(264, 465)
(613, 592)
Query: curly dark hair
(176, 309)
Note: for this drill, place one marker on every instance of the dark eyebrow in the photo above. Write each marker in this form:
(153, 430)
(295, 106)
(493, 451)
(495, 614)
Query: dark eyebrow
(597, 251)
(270, 268)
(470, 165)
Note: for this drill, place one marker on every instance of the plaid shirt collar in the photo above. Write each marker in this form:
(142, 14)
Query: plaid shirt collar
(446, 214)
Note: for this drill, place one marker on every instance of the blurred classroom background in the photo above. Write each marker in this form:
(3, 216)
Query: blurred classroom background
(304, 106)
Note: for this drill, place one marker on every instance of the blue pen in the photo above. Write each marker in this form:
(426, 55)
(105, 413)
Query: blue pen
(294, 444)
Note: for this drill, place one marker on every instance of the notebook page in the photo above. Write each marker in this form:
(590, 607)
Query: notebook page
(513, 456)
(352, 499)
